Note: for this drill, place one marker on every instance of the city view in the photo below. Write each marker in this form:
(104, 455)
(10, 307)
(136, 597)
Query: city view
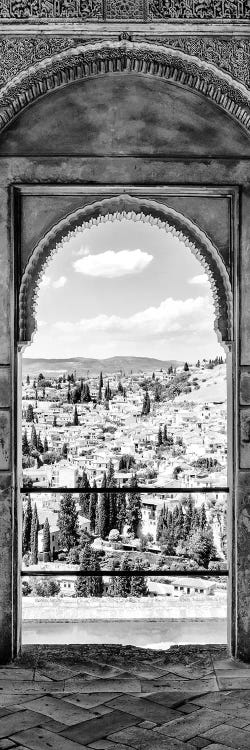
(152, 413)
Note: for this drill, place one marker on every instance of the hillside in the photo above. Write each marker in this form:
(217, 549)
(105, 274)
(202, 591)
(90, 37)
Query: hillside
(212, 386)
(84, 365)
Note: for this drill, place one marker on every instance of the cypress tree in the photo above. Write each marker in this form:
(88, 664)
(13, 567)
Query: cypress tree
(28, 380)
(112, 507)
(203, 517)
(134, 514)
(95, 582)
(93, 509)
(100, 387)
(27, 526)
(64, 450)
(40, 447)
(25, 444)
(30, 414)
(108, 394)
(121, 511)
(103, 511)
(34, 536)
(82, 584)
(165, 433)
(54, 421)
(159, 437)
(46, 536)
(75, 418)
(138, 583)
(68, 522)
(33, 438)
(46, 447)
(124, 582)
(188, 519)
(84, 497)
(146, 404)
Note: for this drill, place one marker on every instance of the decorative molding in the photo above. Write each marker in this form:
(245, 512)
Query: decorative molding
(152, 11)
(118, 208)
(231, 55)
(125, 57)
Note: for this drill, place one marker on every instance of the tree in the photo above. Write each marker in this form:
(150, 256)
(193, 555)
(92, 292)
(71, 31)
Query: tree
(165, 434)
(203, 517)
(138, 583)
(27, 526)
(186, 367)
(75, 418)
(45, 587)
(124, 582)
(33, 438)
(201, 547)
(30, 413)
(159, 437)
(46, 536)
(82, 584)
(93, 509)
(121, 511)
(84, 497)
(68, 522)
(157, 393)
(126, 462)
(54, 421)
(34, 536)
(112, 506)
(25, 444)
(64, 450)
(86, 395)
(46, 447)
(40, 447)
(40, 377)
(108, 394)
(134, 514)
(28, 380)
(103, 511)
(188, 518)
(100, 387)
(146, 404)
(95, 582)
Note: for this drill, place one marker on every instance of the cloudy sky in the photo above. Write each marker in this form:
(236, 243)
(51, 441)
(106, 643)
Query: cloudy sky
(124, 288)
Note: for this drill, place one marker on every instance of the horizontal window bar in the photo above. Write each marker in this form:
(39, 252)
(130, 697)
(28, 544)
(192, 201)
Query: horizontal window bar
(112, 490)
(126, 574)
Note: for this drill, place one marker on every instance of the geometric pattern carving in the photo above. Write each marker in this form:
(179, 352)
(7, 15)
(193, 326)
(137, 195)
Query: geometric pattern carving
(231, 55)
(116, 57)
(24, 11)
(128, 207)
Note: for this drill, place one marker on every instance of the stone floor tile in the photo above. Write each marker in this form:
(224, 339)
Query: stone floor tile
(228, 664)
(54, 726)
(101, 710)
(215, 746)
(8, 673)
(188, 708)
(4, 712)
(10, 699)
(113, 685)
(147, 724)
(191, 671)
(148, 740)
(148, 673)
(40, 677)
(194, 724)
(235, 721)
(99, 728)
(144, 709)
(24, 686)
(200, 742)
(6, 744)
(95, 668)
(19, 721)
(171, 699)
(241, 681)
(89, 700)
(234, 738)
(107, 745)
(60, 710)
(54, 671)
(41, 739)
(204, 685)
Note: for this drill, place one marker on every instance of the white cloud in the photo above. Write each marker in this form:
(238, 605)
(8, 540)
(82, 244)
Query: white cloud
(41, 323)
(112, 264)
(202, 278)
(82, 251)
(172, 316)
(45, 281)
(59, 282)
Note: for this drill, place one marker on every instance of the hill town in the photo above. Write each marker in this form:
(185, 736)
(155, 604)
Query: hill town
(122, 427)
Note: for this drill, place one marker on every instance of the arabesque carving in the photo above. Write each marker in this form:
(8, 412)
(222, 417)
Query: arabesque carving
(125, 57)
(231, 55)
(129, 208)
(26, 11)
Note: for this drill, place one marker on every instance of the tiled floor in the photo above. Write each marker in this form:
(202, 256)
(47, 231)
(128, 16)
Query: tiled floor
(121, 698)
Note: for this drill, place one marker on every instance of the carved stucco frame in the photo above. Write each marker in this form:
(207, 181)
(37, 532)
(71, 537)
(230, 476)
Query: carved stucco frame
(140, 58)
(117, 208)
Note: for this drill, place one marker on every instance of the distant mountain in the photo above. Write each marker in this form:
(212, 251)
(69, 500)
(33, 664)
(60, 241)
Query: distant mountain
(85, 365)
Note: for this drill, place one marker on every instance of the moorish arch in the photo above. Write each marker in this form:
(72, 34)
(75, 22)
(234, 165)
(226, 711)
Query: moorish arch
(131, 208)
(92, 60)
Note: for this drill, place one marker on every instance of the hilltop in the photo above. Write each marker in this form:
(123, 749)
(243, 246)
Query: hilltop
(86, 365)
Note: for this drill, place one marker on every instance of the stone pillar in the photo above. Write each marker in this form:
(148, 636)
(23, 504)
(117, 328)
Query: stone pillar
(8, 511)
(241, 419)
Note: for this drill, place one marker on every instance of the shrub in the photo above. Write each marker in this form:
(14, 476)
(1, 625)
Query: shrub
(45, 587)
(26, 588)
